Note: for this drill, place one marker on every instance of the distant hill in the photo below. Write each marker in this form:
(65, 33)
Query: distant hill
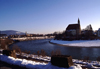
(12, 32)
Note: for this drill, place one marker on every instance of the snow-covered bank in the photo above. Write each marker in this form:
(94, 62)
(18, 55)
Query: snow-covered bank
(31, 38)
(78, 43)
(92, 64)
(32, 64)
(78, 64)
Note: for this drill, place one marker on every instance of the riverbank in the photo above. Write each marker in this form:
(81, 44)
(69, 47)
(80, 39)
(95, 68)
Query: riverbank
(4, 65)
(43, 42)
(33, 46)
(32, 64)
(31, 38)
(77, 43)
(29, 63)
(5, 43)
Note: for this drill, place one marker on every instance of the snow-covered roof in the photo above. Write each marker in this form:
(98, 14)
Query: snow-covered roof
(73, 26)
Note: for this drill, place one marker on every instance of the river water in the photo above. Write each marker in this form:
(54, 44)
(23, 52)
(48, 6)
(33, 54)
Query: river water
(78, 53)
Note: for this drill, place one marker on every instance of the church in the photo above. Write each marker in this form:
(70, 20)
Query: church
(74, 29)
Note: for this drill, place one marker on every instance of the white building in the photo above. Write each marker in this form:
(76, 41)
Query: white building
(99, 32)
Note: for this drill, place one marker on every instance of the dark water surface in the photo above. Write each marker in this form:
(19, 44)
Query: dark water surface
(76, 52)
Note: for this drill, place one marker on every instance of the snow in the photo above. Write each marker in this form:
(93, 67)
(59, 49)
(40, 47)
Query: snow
(78, 64)
(78, 43)
(32, 64)
(26, 38)
(45, 58)
(92, 64)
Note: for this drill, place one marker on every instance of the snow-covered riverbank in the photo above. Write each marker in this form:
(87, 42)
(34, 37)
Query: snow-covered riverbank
(78, 43)
(78, 64)
(32, 38)
(32, 64)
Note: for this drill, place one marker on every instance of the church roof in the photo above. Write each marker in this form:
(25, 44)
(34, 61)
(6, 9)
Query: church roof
(73, 26)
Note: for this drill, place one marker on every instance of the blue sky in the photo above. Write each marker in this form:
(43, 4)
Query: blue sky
(48, 16)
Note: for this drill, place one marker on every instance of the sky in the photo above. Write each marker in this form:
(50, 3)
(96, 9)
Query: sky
(48, 16)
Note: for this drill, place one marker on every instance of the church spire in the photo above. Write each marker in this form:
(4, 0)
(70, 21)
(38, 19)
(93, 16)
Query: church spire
(78, 21)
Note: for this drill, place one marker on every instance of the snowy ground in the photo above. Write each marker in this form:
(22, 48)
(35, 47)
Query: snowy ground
(78, 64)
(32, 64)
(78, 43)
(31, 38)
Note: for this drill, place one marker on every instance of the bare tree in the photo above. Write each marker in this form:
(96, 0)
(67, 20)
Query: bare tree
(98, 59)
(57, 52)
(17, 49)
(38, 53)
(43, 53)
(86, 58)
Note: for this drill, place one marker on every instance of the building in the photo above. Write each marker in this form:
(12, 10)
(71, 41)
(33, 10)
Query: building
(3, 36)
(99, 32)
(74, 29)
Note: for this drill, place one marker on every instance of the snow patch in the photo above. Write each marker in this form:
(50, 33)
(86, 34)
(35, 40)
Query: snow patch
(32, 64)
(79, 43)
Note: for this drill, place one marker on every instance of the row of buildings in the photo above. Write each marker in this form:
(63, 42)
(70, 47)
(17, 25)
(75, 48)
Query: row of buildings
(24, 35)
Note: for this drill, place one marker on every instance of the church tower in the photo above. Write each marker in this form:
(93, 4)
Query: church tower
(79, 29)
(78, 21)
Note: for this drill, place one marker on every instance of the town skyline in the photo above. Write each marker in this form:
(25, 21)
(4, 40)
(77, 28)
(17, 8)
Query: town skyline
(45, 17)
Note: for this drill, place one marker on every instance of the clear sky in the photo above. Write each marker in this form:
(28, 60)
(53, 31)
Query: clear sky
(48, 16)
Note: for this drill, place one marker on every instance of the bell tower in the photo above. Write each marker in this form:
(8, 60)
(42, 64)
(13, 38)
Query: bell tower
(78, 21)
(79, 29)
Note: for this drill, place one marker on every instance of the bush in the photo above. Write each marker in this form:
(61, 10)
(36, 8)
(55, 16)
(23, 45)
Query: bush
(4, 43)
(11, 53)
(28, 52)
(52, 53)
(38, 53)
(57, 52)
(86, 59)
(16, 48)
(98, 58)
(43, 53)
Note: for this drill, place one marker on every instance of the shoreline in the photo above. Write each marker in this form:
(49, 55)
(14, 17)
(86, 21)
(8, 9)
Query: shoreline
(31, 38)
(74, 46)
(74, 61)
(14, 41)
(5, 65)
(83, 63)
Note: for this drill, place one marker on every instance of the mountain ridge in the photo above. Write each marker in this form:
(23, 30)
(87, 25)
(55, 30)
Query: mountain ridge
(11, 32)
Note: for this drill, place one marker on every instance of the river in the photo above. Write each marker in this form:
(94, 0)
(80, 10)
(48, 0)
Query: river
(76, 52)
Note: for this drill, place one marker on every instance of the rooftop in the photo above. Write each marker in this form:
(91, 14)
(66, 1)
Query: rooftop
(73, 26)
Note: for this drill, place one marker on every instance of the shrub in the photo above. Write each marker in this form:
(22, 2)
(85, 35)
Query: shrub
(86, 58)
(38, 53)
(4, 43)
(43, 53)
(27, 52)
(98, 58)
(52, 53)
(16, 48)
(57, 52)
(9, 53)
